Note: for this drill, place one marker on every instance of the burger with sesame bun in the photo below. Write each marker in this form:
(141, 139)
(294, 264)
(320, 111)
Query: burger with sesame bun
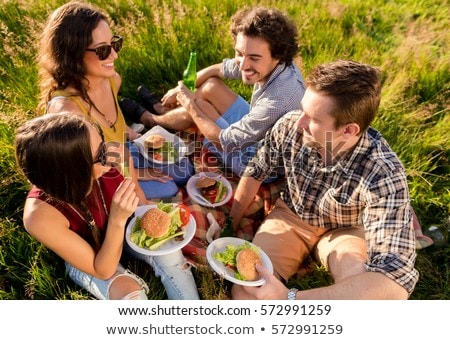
(154, 141)
(242, 260)
(159, 225)
(155, 222)
(246, 261)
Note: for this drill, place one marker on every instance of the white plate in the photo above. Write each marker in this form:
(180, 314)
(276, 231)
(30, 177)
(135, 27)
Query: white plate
(193, 191)
(219, 245)
(170, 137)
(168, 247)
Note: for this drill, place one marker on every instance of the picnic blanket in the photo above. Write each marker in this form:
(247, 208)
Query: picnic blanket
(205, 161)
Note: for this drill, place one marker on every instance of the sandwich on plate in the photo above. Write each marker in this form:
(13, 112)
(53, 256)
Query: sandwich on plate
(160, 149)
(159, 225)
(214, 191)
(242, 260)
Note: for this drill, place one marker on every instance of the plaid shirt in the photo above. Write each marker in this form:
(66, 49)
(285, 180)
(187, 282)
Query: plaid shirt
(280, 94)
(366, 187)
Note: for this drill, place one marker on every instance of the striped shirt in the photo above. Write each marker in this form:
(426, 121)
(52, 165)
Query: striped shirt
(366, 187)
(281, 93)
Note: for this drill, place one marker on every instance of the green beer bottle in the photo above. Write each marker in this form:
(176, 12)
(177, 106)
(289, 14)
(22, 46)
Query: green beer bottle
(190, 73)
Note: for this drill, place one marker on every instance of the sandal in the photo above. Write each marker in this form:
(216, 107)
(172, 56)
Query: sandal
(148, 99)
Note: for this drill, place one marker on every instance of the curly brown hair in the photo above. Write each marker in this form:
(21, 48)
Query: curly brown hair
(271, 25)
(66, 36)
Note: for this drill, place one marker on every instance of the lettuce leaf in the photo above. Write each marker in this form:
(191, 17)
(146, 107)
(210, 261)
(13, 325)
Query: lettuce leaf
(221, 191)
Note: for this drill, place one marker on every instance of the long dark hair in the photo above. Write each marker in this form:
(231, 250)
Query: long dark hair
(63, 44)
(54, 153)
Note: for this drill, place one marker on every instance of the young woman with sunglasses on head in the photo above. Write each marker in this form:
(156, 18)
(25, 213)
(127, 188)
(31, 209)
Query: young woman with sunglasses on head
(77, 74)
(78, 207)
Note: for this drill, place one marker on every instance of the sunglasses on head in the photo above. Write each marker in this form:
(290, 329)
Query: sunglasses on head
(104, 51)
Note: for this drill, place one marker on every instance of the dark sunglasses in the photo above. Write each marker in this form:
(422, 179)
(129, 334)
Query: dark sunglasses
(104, 51)
(100, 155)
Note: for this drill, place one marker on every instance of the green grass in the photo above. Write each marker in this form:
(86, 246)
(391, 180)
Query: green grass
(408, 40)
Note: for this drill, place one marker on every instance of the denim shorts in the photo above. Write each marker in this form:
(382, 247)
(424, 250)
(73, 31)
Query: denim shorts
(235, 113)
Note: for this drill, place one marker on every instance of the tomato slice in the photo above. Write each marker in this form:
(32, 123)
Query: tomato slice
(158, 156)
(185, 214)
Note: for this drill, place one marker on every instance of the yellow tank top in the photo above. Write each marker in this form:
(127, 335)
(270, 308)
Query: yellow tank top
(117, 133)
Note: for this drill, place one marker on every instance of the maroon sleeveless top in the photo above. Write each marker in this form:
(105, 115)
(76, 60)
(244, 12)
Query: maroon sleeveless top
(108, 182)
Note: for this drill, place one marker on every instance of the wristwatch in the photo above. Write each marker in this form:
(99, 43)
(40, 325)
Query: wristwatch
(292, 294)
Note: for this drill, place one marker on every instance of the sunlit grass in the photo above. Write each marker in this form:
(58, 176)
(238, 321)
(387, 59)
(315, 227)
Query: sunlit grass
(408, 40)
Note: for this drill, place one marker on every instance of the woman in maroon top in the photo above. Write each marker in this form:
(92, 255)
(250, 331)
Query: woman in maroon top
(78, 207)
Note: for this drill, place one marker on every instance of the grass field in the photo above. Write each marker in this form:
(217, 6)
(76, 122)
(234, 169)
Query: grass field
(408, 40)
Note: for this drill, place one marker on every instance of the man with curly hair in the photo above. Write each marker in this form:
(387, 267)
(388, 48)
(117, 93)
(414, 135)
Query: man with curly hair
(265, 43)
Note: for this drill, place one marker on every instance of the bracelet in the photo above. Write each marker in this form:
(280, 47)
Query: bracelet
(292, 294)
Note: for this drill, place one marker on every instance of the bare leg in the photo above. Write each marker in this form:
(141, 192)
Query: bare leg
(160, 108)
(122, 286)
(176, 119)
(217, 93)
(347, 259)
(213, 91)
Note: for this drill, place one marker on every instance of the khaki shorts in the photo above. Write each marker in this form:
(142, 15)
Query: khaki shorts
(288, 240)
